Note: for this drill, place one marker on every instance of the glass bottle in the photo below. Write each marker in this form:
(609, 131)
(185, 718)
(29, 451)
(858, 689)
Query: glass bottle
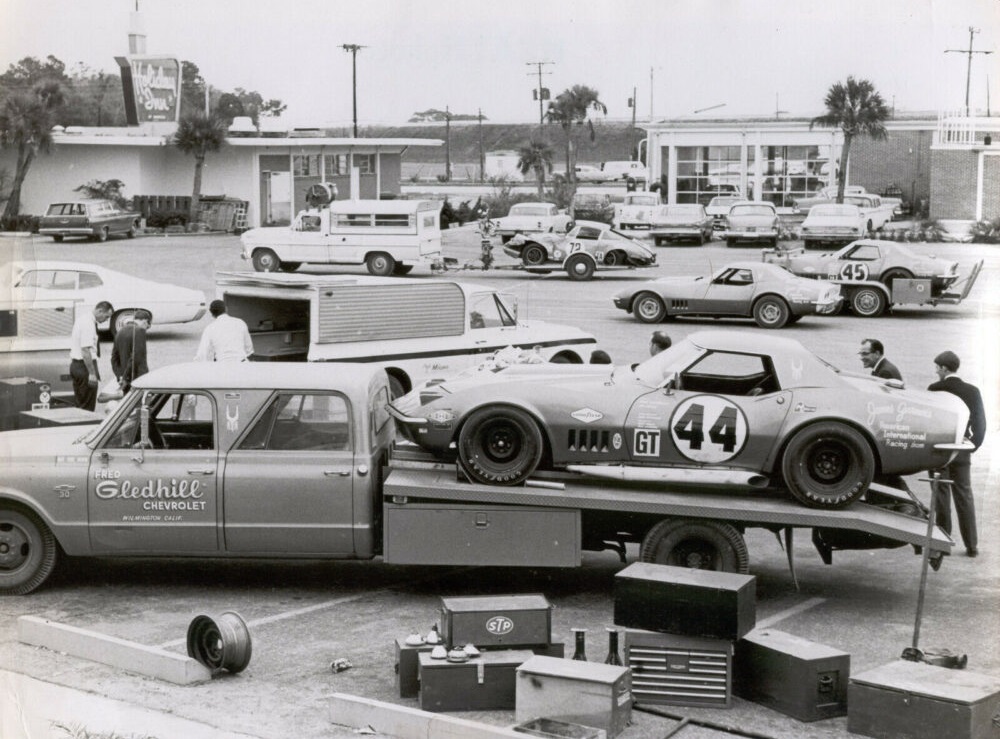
(580, 652)
(612, 658)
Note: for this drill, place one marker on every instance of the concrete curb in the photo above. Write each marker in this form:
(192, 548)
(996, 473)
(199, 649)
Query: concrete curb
(111, 651)
(408, 723)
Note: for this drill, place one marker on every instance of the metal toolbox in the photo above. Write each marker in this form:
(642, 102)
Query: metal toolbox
(679, 600)
(492, 621)
(678, 670)
(456, 534)
(408, 667)
(914, 700)
(485, 683)
(588, 693)
(795, 676)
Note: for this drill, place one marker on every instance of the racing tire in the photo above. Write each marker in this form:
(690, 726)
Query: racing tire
(102, 235)
(895, 274)
(380, 264)
(402, 269)
(499, 446)
(132, 231)
(290, 266)
(57, 238)
(265, 260)
(698, 545)
(649, 308)
(868, 302)
(828, 465)
(579, 267)
(28, 552)
(533, 255)
(615, 258)
(771, 312)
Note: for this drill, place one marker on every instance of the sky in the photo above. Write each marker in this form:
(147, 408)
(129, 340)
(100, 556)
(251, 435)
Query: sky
(737, 57)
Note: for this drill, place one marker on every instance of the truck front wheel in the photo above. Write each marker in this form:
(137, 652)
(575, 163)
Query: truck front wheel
(265, 260)
(28, 552)
(499, 446)
(699, 545)
(380, 264)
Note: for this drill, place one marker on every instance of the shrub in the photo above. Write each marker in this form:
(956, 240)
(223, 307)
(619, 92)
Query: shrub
(20, 223)
(164, 218)
(109, 190)
(986, 232)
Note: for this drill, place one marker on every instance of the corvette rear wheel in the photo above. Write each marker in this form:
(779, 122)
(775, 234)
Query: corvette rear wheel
(533, 255)
(699, 545)
(499, 446)
(649, 308)
(28, 552)
(771, 312)
(828, 465)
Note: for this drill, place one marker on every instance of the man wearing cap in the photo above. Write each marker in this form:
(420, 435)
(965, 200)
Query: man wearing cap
(226, 339)
(873, 357)
(958, 471)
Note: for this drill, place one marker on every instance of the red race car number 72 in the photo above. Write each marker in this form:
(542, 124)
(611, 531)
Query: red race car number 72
(707, 428)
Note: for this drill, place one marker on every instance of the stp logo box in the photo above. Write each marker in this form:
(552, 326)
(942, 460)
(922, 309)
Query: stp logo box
(496, 621)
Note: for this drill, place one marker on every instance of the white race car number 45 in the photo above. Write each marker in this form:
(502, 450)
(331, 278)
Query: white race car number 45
(707, 428)
(854, 271)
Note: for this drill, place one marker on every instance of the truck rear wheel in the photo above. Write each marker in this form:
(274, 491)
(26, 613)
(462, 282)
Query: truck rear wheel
(699, 545)
(380, 264)
(828, 465)
(868, 302)
(265, 260)
(28, 552)
(579, 267)
(499, 446)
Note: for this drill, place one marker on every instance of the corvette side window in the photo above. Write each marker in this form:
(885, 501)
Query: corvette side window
(864, 253)
(728, 373)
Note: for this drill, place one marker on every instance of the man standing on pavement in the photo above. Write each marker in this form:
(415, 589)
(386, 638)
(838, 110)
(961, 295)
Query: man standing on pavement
(226, 339)
(128, 358)
(873, 357)
(83, 353)
(959, 470)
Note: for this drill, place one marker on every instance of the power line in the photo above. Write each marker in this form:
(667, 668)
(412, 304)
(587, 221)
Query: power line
(968, 68)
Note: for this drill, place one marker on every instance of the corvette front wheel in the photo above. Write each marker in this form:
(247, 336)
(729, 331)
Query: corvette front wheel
(649, 308)
(499, 446)
(828, 465)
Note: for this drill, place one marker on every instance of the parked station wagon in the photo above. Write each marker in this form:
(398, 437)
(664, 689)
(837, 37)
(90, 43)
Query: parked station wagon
(94, 219)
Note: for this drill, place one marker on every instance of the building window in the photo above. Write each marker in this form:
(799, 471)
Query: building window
(335, 164)
(305, 165)
(706, 171)
(792, 172)
(365, 163)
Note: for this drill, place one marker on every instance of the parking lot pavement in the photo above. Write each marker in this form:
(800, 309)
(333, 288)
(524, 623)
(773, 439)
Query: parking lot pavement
(302, 615)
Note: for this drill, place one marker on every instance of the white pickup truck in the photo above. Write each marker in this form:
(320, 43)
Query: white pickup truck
(389, 237)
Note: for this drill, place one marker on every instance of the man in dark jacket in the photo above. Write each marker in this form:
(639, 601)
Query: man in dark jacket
(873, 357)
(128, 359)
(946, 365)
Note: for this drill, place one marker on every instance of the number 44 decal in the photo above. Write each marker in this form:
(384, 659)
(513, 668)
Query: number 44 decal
(707, 428)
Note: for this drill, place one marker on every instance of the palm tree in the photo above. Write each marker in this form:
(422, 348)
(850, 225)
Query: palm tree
(857, 109)
(26, 120)
(536, 157)
(199, 134)
(571, 108)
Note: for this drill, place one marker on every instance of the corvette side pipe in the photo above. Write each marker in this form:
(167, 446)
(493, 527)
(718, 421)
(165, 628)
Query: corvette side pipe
(677, 475)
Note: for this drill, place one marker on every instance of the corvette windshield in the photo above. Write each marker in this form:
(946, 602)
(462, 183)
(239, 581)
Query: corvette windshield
(658, 368)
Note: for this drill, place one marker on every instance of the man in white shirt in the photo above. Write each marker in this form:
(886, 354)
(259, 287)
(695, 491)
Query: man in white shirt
(226, 339)
(83, 353)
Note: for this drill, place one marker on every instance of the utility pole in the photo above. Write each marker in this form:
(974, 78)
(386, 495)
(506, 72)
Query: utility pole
(354, 49)
(650, 94)
(777, 108)
(968, 67)
(482, 155)
(632, 103)
(540, 93)
(447, 144)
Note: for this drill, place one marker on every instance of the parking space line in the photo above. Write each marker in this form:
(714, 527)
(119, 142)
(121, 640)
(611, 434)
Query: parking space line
(789, 612)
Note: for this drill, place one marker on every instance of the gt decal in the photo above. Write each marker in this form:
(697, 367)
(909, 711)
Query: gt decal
(707, 428)
(854, 271)
(646, 442)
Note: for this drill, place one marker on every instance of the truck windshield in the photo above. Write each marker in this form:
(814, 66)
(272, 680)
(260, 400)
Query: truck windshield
(488, 310)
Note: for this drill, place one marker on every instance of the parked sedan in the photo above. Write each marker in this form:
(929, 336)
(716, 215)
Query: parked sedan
(772, 296)
(88, 284)
(94, 219)
(719, 207)
(681, 222)
(528, 218)
(719, 408)
(637, 210)
(832, 223)
(751, 221)
(589, 246)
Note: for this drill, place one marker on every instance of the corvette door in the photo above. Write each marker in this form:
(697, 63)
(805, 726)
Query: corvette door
(726, 409)
(729, 293)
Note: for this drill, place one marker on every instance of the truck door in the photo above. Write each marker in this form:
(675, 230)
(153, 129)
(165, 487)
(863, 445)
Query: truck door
(153, 484)
(289, 482)
(308, 238)
(726, 409)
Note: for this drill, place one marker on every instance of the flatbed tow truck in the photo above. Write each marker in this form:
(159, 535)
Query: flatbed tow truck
(555, 516)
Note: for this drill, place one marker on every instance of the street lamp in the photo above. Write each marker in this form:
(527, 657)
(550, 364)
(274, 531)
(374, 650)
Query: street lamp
(354, 49)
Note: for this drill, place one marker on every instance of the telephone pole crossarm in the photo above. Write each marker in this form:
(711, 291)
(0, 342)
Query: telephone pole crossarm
(968, 66)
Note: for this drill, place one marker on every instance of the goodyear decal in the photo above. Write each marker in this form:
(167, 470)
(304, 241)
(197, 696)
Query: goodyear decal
(587, 415)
